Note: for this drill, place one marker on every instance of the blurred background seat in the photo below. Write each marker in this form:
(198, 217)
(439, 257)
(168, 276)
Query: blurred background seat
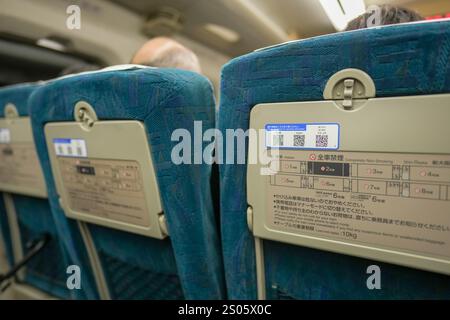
(187, 263)
(397, 58)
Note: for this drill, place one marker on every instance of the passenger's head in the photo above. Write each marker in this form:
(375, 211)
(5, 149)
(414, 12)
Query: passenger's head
(388, 15)
(163, 52)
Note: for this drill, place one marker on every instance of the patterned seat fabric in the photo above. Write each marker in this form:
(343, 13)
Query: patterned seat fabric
(410, 59)
(187, 264)
(47, 270)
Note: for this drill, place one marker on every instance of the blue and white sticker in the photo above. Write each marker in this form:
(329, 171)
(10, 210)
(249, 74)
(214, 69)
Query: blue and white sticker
(307, 136)
(70, 148)
(5, 135)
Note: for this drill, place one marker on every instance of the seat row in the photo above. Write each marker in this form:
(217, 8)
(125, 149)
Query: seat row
(104, 198)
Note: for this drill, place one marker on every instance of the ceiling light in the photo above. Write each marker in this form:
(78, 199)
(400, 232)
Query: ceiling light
(341, 12)
(223, 32)
(51, 44)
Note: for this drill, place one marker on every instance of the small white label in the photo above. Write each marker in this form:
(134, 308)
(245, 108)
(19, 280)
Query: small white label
(70, 148)
(5, 135)
(305, 136)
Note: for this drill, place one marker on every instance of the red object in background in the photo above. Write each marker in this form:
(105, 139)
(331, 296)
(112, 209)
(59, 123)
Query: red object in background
(438, 16)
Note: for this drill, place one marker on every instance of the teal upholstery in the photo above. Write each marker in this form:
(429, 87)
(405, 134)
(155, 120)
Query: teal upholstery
(188, 264)
(46, 271)
(410, 59)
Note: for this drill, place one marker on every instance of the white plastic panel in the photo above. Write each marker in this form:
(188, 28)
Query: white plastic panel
(104, 175)
(20, 169)
(383, 194)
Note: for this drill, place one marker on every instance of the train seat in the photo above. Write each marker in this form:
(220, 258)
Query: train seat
(357, 152)
(105, 141)
(28, 227)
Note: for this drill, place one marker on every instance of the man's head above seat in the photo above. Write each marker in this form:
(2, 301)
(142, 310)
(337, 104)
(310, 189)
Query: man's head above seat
(388, 15)
(163, 52)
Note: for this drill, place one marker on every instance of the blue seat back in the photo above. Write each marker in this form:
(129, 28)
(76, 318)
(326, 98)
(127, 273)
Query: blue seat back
(46, 271)
(188, 263)
(410, 59)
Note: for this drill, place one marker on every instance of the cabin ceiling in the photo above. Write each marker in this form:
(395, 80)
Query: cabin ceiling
(259, 23)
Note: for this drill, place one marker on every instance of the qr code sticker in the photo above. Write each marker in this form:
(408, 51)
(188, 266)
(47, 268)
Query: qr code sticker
(322, 141)
(299, 140)
(278, 140)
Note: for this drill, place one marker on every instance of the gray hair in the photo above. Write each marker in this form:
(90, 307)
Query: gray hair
(175, 57)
